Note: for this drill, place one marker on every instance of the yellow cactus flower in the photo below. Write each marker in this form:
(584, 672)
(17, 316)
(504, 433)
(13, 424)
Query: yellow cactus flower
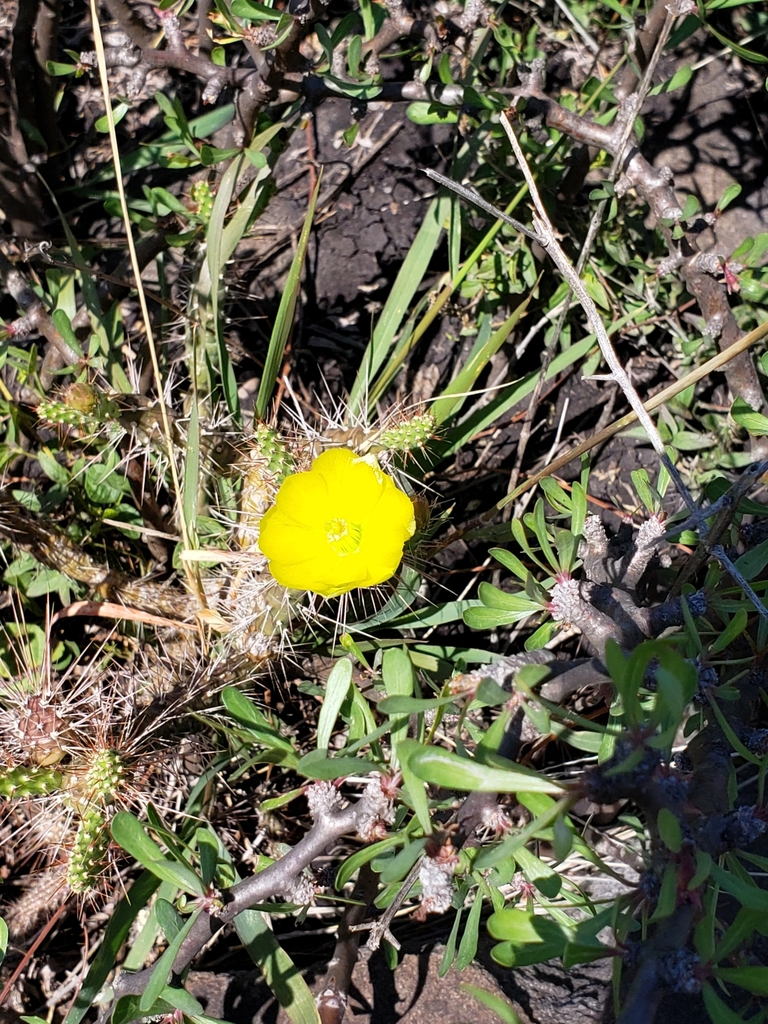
(341, 525)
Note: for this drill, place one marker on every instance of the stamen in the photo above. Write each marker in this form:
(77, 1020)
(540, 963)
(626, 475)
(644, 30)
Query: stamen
(343, 536)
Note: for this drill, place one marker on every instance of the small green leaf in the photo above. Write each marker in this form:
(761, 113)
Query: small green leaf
(414, 786)
(317, 765)
(397, 672)
(494, 598)
(280, 973)
(669, 829)
(468, 944)
(336, 690)
(250, 10)
(118, 113)
(749, 55)
(753, 979)
(52, 469)
(413, 705)
(527, 938)
(444, 768)
(748, 894)
(488, 618)
(208, 848)
(169, 919)
(430, 113)
(562, 838)
(449, 954)
(679, 80)
(718, 1011)
(280, 801)
(353, 863)
(738, 623)
(535, 871)
(161, 971)
(394, 869)
(511, 562)
(733, 191)
(490, 694)
(54, 69)
(496, 1004)
(247, 714)
(691, 207)
(64, 327)
(665, 905)
(354, 55)
(129, 833)
(350, 134)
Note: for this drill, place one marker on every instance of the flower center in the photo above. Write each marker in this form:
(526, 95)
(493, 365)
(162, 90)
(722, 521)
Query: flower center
(344, 537)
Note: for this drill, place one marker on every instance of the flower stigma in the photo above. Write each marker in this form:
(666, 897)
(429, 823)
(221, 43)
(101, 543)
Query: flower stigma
(340, 525)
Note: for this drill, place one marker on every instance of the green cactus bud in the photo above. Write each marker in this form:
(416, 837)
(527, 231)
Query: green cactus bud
(88, 855)
(80, 405)
(268, 445)
(409, 435)
(201, 195)
(57, 413)
(81, 397)
(23, 782)
(104, 776)
(267, 462)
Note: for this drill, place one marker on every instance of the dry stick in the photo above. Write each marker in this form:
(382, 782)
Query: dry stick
(723, 511)
(696, 268)
(667, 394)
(628, 113)
(721, 359)
(192, 576)
(545, 236)
(380, 929)
(644, 41)
(29, 953)
(333, 991)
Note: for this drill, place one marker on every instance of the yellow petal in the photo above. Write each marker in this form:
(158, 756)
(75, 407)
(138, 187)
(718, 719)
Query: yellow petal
(305, 498)
(392, 515)
(354, 486)
(281, 539)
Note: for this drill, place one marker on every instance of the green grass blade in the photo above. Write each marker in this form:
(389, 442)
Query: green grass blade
(484, 417)
(115, 935)
(410, 339)
(222, 238)
(108, 339)
(455, 394)
(192, 482)
(336, 690)
(280, 972)
(284, 319)
(407, 282)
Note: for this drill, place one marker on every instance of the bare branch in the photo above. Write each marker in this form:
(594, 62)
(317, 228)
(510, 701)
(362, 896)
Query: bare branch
(275, 879)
